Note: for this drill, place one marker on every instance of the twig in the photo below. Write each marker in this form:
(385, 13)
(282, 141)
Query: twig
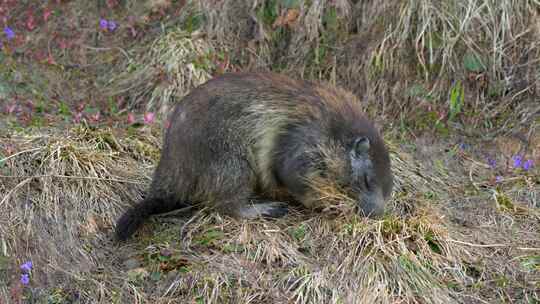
(108, 49)
(24, 182)
(493, 245)
(472, 180)
(478, 245)
(528, 248)
(20, 152)
(476, 162)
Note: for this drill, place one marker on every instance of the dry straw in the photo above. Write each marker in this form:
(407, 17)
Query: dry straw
(65, 190)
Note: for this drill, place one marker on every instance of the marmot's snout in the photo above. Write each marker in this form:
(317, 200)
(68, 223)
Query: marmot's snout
(370, 175)
(371, 204)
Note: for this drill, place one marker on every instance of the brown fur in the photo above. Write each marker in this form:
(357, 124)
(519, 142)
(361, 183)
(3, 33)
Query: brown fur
(245, 143)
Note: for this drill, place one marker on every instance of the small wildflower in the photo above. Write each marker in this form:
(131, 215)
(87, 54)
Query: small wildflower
(10, 34)
(25, 279)
(30, 23)
(95, 117)
(112, 25)
(112, 3)
(46, 14)
(50, 60)
(26, 267)
(10, 109)
(492, 163)
(80, 106)
(63, 44)
(131, 118)
(133, 31)
(149, 118)
(77, 117)
(165, 252)
(498, 179)
(528, 164)
(517, 160)
(103, 24)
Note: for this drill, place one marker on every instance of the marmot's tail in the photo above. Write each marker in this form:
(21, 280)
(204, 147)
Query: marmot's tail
(133, 218)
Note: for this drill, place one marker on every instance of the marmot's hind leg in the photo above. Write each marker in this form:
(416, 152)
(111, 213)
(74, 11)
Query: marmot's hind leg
(234, 194)
(247, 208)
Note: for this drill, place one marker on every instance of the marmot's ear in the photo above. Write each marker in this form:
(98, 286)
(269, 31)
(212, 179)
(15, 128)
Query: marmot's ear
(361, 145)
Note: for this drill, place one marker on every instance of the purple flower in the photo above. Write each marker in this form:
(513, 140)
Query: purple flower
(26, 267)
(10, 34)
(149, 118)
(112, 25)
(498, 179)
(492, 163)
(528, 164)
(103, 24)
(25, 279)
(517, 160)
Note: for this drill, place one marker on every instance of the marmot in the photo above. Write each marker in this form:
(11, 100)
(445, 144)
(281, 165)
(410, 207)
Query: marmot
(247, 143)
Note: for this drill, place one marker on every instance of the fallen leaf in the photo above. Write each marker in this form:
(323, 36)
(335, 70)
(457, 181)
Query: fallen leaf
(286, 19)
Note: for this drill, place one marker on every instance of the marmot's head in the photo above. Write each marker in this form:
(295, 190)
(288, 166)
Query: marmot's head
(355, 168)
(328, 152)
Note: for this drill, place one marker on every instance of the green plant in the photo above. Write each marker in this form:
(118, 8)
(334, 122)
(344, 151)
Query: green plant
(472, 63)
(457, 99)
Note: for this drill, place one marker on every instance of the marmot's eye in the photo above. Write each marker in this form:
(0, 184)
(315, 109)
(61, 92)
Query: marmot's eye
(361, 146)
(367, 182)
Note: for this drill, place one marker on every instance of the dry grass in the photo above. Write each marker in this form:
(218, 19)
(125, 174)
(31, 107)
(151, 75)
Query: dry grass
(399, 57)
(175, 63)
(63, 192)
(54, 193)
